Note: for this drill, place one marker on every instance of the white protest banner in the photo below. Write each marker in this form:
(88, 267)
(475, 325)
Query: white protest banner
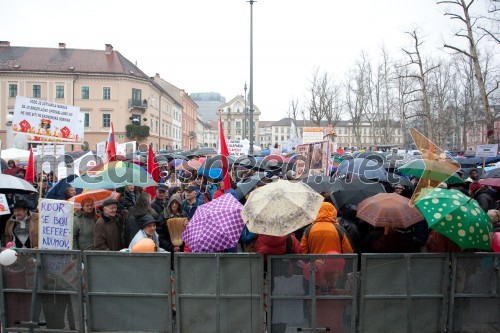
(238, 147)
(48, 150)
(85, 163)
(4, 205)
(101, 151)
(312, 134)
(487, 150)
(48, 121)
(62, 171)
(125, 148)
(56, 225)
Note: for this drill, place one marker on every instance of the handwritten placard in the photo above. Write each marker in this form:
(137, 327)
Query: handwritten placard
(4, 205)
(56, 225)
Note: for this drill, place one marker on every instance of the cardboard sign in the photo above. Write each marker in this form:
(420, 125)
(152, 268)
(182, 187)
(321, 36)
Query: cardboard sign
(238, 147)
(48, 121)
(487, 150)
(4, 205)
(312, 134)
(56, 225)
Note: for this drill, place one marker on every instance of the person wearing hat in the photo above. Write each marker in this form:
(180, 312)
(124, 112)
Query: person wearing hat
(192, 201)
(83, 226)
(108, 228)
(148, 230)
(22, 227)
(161, 198)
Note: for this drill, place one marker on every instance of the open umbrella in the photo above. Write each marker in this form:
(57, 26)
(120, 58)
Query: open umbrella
(388, 210)
(362, 168)
(353, 191)
(9, 184)
(281, 207)
(456, 216)
(432, 170)
(190, 165)
(15, 154)
(247, 185)
(495, 173)
(97, 196)
(320, 183)
(215, 226)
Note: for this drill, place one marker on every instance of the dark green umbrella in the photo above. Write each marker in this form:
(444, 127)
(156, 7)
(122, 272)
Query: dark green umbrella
(432, 170)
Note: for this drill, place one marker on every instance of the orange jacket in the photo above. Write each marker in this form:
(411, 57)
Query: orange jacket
(323, 236)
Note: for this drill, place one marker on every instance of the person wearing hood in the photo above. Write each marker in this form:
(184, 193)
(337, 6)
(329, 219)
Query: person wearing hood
(148, 230)
(83, 226)
(325, 233)
(173, 209)
(108, 228)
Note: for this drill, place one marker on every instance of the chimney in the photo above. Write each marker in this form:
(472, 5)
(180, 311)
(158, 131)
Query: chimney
(62, 45)
(108, 49)
(4, 43)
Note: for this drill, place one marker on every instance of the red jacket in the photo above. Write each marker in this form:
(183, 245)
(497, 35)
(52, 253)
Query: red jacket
(275, 245)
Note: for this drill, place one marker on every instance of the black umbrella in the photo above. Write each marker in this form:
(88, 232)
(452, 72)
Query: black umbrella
(247, 185)
(362, 168)
(495, 173)
(353, 191)
(320, 183)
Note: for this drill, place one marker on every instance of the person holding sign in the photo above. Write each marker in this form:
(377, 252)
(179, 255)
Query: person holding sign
(108, 228)
(22, 227)
(83, 226)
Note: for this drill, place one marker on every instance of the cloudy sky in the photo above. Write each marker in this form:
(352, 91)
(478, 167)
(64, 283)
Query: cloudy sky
(204, 46)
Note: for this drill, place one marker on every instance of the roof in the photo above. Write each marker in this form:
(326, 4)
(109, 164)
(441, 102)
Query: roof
(64, 60)
(265, 123)
(171, 90)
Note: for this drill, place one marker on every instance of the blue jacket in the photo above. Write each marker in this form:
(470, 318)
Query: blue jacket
(188, 209)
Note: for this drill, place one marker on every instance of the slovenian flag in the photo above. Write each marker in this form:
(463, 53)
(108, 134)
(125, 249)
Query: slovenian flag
(111, 148)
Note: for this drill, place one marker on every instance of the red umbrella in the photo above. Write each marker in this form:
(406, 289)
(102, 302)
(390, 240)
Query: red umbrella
(490, 182)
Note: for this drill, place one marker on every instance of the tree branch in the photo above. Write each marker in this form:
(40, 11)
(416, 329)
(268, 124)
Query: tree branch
(458, 50)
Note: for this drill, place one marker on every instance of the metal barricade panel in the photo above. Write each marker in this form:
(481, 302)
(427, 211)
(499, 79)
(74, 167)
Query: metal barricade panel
(403, 292)
(42, 290)
(219, 292)
(128, 292)
(312, 293)
(475, 293)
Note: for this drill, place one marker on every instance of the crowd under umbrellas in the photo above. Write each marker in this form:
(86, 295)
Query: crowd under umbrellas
(272, 200)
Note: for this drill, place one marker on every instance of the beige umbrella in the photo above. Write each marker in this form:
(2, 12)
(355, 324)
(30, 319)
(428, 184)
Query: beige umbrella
(281, 207)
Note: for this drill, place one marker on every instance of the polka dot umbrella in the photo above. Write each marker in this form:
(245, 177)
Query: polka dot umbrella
(456, 216)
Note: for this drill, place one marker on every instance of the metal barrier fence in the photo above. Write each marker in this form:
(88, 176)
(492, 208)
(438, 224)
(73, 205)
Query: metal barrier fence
(42, 292)
(219, 292)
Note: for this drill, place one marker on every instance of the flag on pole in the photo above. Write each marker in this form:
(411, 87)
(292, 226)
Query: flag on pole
(153, 170)
(111, 147)
(224, 154)
(30, 168)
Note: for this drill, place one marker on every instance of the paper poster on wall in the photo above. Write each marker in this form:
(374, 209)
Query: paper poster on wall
(4, 205)
(48, 121)
(56, 225)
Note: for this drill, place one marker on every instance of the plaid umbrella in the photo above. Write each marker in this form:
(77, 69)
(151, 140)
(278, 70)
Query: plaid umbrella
(215, 226)
(456, 216)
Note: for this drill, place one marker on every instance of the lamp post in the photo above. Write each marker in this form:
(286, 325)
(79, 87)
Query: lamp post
(250, 93)
(245, 113)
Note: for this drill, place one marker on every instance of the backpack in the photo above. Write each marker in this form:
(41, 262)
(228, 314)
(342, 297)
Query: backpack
(340, 230)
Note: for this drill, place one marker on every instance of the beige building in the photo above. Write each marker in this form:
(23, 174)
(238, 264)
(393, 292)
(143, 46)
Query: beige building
(106, 86)
(236, 120)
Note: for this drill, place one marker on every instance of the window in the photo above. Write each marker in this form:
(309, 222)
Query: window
(276, 130)
(282, 138)
(275, 138)
(282, 130)
(86, 120)
(12, 90)
(85, 92)
(106, 120)
(136, 96)
(106, 93)
(37, 91)
(59, 91)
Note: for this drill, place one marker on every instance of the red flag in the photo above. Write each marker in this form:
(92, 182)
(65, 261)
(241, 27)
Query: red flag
(224, 154)
(111, 148)
(30, 168)
(153, 170)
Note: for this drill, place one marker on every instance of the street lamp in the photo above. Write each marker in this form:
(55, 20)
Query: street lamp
(250, 94)
(245, 113)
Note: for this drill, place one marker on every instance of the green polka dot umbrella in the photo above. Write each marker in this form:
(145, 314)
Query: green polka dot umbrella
(456, 216)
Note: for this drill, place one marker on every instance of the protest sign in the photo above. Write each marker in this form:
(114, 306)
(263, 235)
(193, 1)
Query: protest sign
(312, 134)
(101, 151)
(48, 150)
(238, 147)
(487, 150)
(56, 225)
(302, 163)
(4, 205)
(319, 158)
(125, 148)
(47, 121)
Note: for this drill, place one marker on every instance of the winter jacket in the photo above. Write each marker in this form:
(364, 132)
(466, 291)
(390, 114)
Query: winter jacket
(127, 200)
(162, 229)
(108, 234)
(188, 209)
(141, 235)
(83, 230)
(323, 235)
(132, 224)
(158, 205)
(485, 199)
(275, 245)
(32, 241)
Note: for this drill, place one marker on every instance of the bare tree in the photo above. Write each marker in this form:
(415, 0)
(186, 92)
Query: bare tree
(293, 113)
(406, 96)
(335, 108)
(468, 32)
(421, 77)
(320, 100)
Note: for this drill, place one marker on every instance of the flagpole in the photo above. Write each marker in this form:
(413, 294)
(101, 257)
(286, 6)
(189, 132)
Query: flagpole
(41, 178)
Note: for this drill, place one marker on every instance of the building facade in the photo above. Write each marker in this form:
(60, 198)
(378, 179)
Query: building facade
(208, 105)
(106, 86)
(236, 120)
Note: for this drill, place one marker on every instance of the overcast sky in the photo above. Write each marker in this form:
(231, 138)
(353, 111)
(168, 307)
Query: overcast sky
(204, 46)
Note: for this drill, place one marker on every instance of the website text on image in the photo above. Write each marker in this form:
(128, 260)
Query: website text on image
(312, 134)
